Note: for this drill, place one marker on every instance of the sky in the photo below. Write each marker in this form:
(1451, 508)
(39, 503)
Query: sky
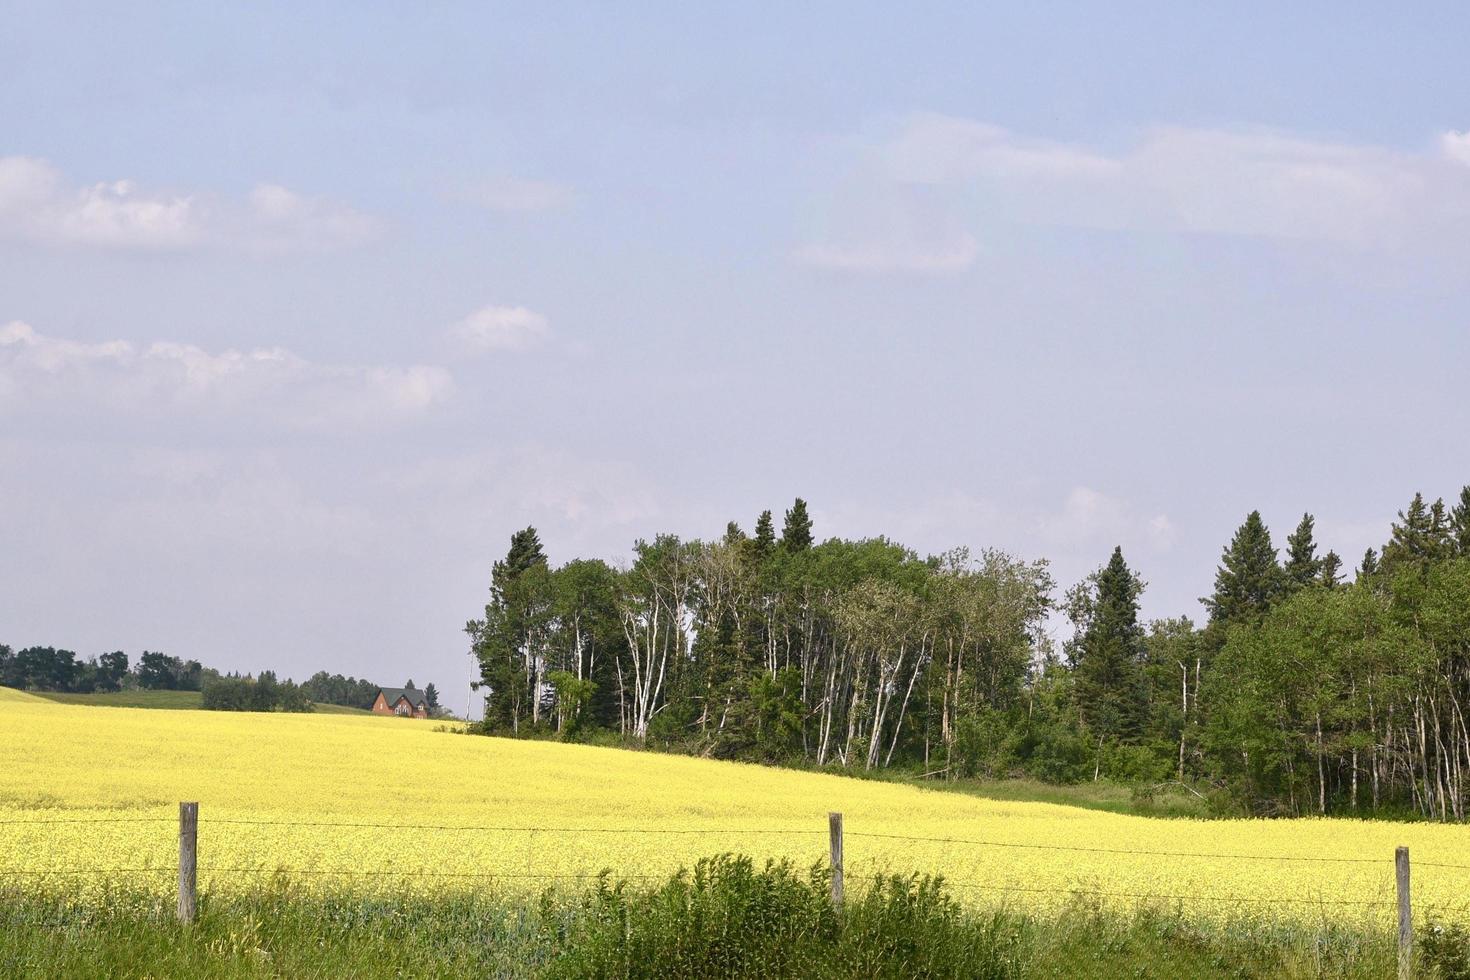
(304, 311)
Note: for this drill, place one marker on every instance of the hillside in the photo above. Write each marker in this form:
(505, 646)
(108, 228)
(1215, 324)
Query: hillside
(537, 812)
(172, 700)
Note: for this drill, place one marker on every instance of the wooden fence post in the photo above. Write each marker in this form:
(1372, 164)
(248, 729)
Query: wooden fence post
(834, 826)
(188, 861)
(1406, 915)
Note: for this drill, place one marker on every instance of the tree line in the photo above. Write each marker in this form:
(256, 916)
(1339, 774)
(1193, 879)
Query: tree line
(40, 668)
(1300, 692)
(50, 669)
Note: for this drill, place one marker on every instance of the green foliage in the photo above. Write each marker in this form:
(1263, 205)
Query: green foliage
(1460, 523)
(1107, 653)
(725, 918)
(775, 702)
(1445, 950)
(241, 692)
(1249, 579)
(1302, 694)
(324, 688)
(1303, 567)
(1331, 572)
(159, 672)
(796, 533)
(572, 698)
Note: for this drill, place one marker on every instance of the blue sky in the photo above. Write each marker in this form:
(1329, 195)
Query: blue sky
(302, 313)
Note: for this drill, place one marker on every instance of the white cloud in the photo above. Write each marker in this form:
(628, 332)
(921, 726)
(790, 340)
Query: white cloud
(935, 148)
(272, 384)
(504, 328)
(1456, 145)
(282, 219)
(1249, 182)
(518, 194)
(1091, 522)
(37, 206)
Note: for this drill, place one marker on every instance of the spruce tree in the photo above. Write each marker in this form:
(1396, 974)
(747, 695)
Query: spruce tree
(1111, 689)
(525, 551)
(733, 534)
(500, 639)
(796, 533)
(1369, 567)
(1248, 580)
(1411, 539)
(1460, 524)
(1331, 573)
(1302, 564)
(764, 542)
(1441, 534)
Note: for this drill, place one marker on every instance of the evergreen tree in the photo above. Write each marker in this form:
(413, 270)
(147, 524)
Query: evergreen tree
(1460, 524)
(431, 697)
(525, 551)
(1369, 567)
(1412, 538)
(796, 533)
(1108, 652)
(733, 534)
(501, 642)
(1248, 580)
(1302, 564)
(764, 541)
(1441, 533)
(1331, 573)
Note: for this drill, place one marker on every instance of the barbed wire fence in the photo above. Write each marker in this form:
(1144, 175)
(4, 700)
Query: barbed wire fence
(188, 869)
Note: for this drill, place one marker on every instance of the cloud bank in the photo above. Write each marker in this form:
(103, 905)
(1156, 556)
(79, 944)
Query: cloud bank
(38, 206)
(503, 328)
(62, 376)
(1178, 180)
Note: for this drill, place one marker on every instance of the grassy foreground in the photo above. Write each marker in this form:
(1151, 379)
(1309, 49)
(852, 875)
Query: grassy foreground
(727, 918)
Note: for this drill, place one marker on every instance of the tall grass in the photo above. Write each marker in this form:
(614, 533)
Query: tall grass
(726, 917)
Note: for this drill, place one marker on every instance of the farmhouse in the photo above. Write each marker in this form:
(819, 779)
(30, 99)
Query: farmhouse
(405, 702)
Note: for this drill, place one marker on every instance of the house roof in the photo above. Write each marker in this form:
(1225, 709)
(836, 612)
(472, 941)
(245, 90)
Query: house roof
(415, 696)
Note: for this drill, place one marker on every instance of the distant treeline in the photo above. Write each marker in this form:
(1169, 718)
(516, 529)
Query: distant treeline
(52, 669)
(1302, 692)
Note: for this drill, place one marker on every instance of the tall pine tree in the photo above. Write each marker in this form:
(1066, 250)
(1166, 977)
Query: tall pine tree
(796, 534)
(1248, 580)
(500, 642)
(1108, 653)
(1331, 574)
(760, 547)
(1460, 524)
(1302, 564)
(1369, 566)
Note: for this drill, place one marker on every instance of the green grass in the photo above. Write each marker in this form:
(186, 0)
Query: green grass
(727, 918)
(175, 700)
(340, 709)
(1165, 801)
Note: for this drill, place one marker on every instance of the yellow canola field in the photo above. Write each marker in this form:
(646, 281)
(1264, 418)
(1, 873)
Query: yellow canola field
(330, 800)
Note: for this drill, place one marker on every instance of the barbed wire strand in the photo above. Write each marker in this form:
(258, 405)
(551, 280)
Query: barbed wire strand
(1152, 895)
(479, 828)
(1115, 850)
(501, 828)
